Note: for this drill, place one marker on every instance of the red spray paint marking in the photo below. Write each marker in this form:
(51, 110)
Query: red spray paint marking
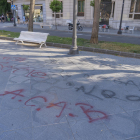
(20, 100)
(57, 104)
(2, 66)
(45, 100)
(36, 74)
(87, 111)
(19, 59)
(10, 68)
(17, 69)
(16, 93)
(72, 115)
(30, 73)
(38, 109)
(7, 58)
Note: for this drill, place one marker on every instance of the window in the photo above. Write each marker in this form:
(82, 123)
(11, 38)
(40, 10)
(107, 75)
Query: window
(132, 6)
(137, 16)
(38, 13)
(135, 9)
(81, 6)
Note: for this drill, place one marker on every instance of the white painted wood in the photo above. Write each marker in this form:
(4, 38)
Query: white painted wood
(34, 37)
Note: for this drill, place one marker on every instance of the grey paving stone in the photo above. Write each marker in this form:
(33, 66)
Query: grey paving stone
(86, 96)
(21, 134)
(52, 132)
(122, 126)
(134, 138)
(89, 131)
(15, 119)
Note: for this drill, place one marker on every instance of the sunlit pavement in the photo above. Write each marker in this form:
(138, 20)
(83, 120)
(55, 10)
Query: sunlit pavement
(47, 94)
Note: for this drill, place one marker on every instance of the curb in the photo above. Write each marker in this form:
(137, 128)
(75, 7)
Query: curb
(96, 50)
(89, 49)
(7, 38)
(100, 33)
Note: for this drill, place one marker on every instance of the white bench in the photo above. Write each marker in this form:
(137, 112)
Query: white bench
(33, 37)
(42, 25)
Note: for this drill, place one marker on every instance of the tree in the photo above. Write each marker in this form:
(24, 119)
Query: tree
(25, 8)
(55, 6)
(92, 3)
(95, 29)
(32, 6)
(4, 7)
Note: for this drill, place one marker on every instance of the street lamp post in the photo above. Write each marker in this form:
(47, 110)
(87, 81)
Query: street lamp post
(74, 48)
(120, 31)
(14, 13)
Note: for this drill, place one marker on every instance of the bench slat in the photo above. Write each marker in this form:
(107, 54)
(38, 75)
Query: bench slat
(34, 37)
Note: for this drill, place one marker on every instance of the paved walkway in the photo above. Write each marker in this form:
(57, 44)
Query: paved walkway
(65, 28)
(49, 95)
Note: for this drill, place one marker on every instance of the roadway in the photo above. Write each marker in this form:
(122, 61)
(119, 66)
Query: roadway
(110, 38)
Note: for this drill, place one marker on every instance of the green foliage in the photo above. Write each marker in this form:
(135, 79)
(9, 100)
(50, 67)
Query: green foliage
(4, 7)
(4, 33)
(92, 3)
(55, 6)
(25, 7)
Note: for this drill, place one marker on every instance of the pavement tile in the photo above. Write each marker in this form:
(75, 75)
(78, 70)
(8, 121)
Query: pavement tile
(134, 138)
(122, 126)
(82, 130)
(21, 134)
(11, 119)
(52, 95)
(52, 132)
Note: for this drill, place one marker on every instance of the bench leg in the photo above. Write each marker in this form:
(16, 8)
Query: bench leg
(17, 42)
(41, 45)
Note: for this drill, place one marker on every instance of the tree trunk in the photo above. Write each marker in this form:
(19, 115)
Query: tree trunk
(32, 6)
(4, 17)
(95, 29)
(55, 22)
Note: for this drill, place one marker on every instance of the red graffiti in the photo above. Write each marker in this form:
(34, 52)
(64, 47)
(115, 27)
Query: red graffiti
(18, 69)
(7, 58)
(16, 58)
(86, 108)
(37, 74)
(9, 68)
(2, 66)
(38, 109)
(90, 110)
(57, 104)
(72, 115)
(19, 59)
(16, 93)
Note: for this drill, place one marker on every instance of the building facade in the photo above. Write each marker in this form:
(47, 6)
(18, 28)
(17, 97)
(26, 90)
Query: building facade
(131, 13)
(110, 12)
